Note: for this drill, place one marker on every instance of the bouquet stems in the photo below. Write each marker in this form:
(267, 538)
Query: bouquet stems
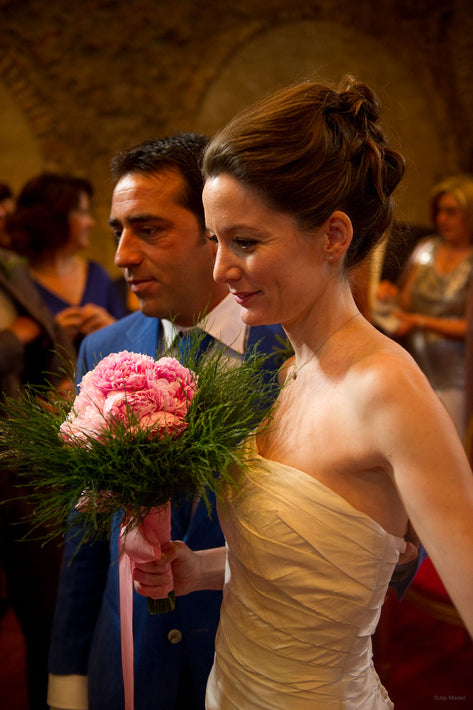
(162, 606)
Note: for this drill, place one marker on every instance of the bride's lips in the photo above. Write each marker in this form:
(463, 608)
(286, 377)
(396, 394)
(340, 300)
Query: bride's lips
(243, 298)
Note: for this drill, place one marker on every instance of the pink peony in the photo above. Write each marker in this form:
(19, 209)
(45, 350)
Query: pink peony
(129, 385)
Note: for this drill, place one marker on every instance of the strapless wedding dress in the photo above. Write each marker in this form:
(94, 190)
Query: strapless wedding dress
(305, 580)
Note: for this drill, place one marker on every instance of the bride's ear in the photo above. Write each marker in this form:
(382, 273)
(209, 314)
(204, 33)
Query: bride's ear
(338, 232)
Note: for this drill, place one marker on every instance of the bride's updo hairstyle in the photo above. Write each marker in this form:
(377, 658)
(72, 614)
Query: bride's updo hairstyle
(309, 150)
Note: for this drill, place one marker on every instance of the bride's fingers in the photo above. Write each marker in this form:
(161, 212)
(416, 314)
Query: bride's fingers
(150, 584)
(152, 591)
(152, 570)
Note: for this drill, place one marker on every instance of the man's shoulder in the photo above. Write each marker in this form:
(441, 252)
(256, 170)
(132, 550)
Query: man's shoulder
(133, 332)
(272, 341)
(120, 329)
(275, 329)
(266, 335)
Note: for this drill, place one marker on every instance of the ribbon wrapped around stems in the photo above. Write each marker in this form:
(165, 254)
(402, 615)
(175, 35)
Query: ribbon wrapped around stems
(140, 542)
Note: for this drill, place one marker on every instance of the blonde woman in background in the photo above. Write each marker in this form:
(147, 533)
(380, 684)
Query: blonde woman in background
(429, 302)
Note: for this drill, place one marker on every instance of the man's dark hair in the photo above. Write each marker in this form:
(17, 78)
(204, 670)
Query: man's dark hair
(182, 152)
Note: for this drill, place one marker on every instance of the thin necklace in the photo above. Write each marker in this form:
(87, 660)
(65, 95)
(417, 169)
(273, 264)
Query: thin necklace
(296, 371)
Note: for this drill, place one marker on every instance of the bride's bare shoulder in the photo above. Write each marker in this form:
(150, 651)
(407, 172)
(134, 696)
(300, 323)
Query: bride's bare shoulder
(391, 401)
(381, 368)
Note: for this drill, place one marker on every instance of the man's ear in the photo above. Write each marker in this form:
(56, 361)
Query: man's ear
(338, 232)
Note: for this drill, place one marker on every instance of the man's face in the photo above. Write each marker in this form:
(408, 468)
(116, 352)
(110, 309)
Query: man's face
(165, 258)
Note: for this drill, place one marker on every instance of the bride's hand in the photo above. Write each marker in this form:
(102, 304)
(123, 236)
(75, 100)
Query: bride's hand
(151, 577)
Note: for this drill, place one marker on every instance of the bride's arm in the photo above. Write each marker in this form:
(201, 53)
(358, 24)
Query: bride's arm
(192, 570)
(432, 474)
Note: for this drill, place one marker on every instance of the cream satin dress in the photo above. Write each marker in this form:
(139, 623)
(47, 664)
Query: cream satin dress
(305, 580)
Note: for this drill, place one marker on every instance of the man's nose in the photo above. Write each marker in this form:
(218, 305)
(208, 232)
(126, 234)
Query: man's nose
(128, 252)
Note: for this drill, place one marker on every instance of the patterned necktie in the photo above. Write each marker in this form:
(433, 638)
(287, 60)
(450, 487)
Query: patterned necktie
(185, 342)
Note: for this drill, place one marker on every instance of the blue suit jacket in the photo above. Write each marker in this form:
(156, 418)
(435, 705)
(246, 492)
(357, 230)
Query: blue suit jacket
(86, 630)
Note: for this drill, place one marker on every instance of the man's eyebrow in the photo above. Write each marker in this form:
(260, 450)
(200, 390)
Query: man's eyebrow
(136, 219)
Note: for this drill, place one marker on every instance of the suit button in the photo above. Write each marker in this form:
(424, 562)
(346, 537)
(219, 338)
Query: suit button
(175, 636)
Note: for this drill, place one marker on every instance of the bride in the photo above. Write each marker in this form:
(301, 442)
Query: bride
(298, 191)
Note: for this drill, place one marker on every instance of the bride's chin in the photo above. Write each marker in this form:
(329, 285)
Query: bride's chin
(254, 318)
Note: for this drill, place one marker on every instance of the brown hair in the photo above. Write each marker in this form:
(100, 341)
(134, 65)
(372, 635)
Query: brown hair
(40, 222)
(309, 150)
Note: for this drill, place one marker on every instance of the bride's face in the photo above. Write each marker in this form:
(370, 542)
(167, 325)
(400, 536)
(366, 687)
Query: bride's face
(274, 270)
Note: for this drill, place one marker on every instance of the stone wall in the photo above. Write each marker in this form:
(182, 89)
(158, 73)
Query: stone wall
(82, 79)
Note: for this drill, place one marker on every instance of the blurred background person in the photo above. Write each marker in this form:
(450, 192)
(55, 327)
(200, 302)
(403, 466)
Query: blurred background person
(7, 206)
(33, 351)
(51, 227)
(426, 308)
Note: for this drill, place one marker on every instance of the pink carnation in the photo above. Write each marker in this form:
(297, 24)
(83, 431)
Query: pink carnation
(126, 386)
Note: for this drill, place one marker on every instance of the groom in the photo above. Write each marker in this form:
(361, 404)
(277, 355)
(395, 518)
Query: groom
(162, 248)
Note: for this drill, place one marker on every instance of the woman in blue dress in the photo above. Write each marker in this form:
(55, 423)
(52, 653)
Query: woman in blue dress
(51, 228)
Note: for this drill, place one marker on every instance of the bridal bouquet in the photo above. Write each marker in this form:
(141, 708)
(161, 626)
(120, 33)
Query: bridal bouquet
(129, 393)
(139, 432)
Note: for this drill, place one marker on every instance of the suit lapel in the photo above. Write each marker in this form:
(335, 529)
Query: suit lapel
(145, 331)
(181, 517)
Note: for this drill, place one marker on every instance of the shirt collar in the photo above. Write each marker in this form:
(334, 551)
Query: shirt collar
(223, 323)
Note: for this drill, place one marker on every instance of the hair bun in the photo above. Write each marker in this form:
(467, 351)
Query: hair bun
(359, 99)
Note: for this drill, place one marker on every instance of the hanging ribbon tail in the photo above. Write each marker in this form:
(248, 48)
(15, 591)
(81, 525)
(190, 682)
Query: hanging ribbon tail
(125, 575)
(140, 543)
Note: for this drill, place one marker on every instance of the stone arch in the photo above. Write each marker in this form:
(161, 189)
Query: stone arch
(326, 51)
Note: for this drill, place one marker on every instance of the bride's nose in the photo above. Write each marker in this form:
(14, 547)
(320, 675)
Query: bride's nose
(226, 268)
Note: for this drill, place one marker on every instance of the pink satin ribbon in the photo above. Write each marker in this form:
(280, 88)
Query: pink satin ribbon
(142, 543)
